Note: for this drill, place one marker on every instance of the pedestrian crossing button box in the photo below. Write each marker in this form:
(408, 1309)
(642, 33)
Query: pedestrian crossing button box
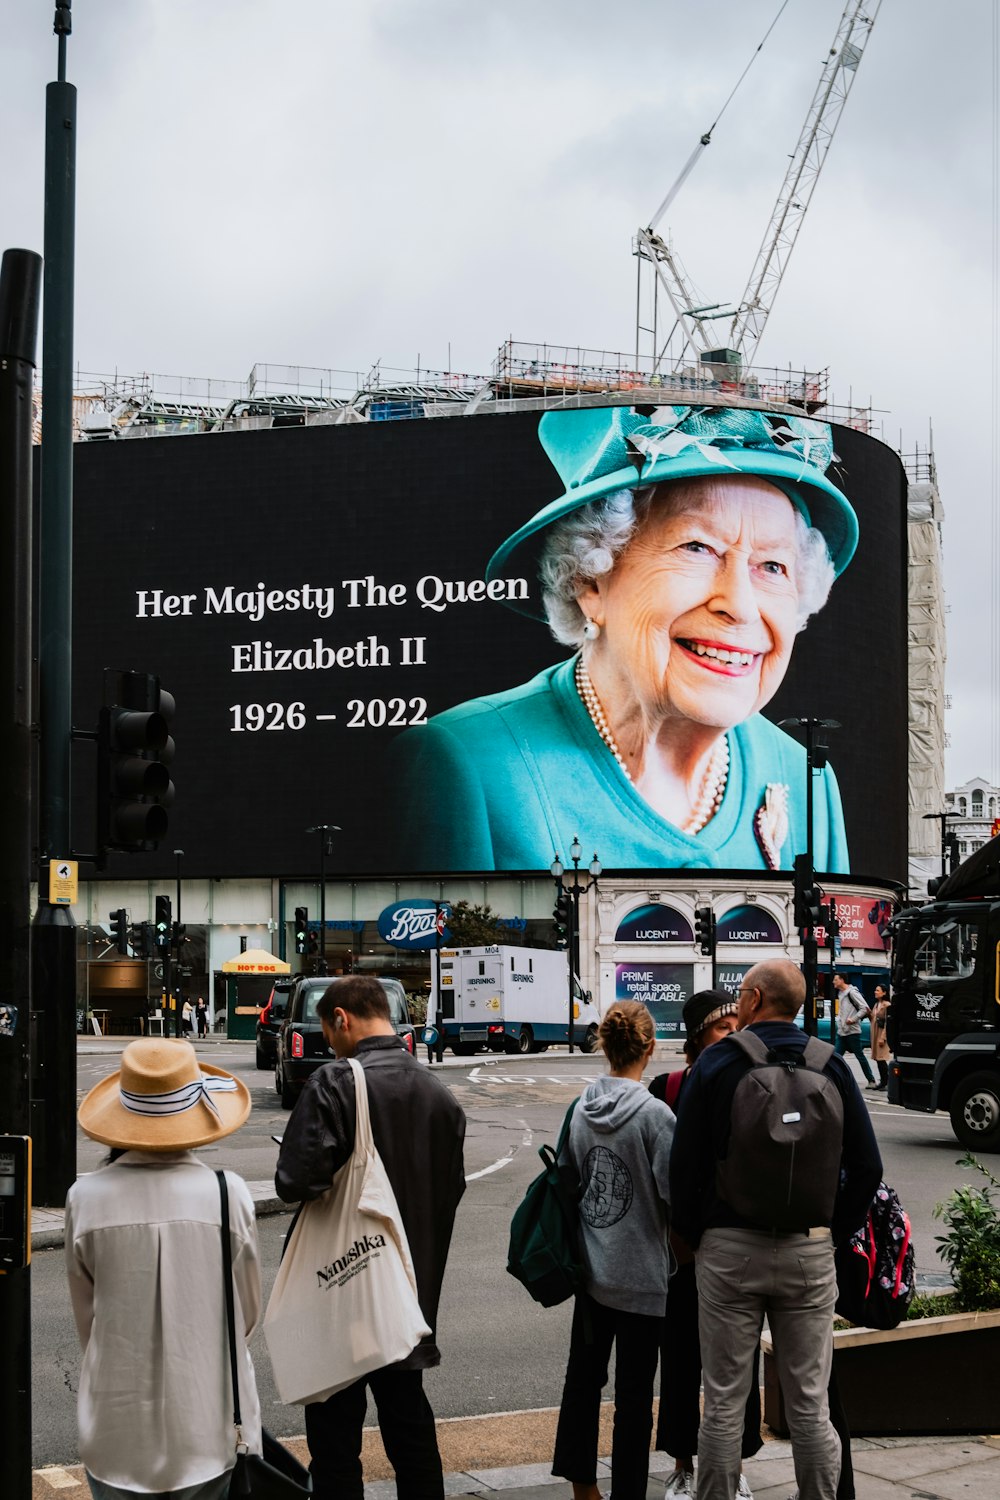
(15, 1202)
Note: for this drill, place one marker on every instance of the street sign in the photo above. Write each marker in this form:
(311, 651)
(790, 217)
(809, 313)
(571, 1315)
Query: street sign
(63, 882)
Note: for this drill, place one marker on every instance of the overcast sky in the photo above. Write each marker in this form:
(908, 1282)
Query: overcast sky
(300, 182)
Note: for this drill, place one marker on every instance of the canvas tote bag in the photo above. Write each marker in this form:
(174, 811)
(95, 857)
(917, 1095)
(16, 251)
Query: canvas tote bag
(345, 1298)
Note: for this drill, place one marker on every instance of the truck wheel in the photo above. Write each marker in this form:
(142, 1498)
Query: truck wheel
(525, 1040)
(975, 1112)
(589, 1043)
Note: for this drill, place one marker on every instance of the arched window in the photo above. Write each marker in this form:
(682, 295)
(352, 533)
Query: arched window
(977, 804)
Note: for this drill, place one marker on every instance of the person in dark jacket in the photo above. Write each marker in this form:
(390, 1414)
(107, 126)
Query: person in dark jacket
(745, 1269)
(419, 1130)
(709, 1016)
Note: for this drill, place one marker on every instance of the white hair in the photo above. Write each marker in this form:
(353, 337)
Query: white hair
(587, 544)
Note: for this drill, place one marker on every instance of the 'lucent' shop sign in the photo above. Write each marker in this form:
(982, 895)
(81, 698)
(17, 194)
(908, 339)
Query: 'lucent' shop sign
(415, 924)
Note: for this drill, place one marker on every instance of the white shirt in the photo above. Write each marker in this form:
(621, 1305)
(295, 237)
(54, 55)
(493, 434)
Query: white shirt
(144, 1258)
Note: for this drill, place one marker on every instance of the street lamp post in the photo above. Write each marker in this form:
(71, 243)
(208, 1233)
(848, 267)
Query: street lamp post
(325, 831)
(557, 870)
(816, 755)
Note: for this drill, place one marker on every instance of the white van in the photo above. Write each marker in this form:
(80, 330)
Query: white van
(510, 1000)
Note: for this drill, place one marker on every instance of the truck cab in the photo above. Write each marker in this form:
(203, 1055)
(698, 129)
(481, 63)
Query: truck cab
(944, 1024)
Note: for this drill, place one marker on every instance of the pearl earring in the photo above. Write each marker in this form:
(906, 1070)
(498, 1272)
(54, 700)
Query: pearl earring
(591, 630)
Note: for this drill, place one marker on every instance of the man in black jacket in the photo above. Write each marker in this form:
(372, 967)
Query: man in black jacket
(419, 1129)
(746, 1268)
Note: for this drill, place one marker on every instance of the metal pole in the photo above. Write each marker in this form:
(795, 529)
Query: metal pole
(322, 900)
(20, 285)
(574, 914)
(53, 1084)
(810, 949)
(176, 925)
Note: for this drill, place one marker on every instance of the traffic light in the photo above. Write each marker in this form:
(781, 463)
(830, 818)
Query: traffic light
(704, 930)
(161, 932)
(302, 929)
(134, 749)
(808, 908)
(119, 930)
(562, 916)
(179, 933)
(142, 940)
(831, 921)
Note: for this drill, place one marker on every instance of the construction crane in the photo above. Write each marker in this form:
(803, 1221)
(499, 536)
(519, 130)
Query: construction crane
(694, 319)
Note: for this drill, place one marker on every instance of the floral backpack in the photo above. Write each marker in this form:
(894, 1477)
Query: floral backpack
(875, 1268)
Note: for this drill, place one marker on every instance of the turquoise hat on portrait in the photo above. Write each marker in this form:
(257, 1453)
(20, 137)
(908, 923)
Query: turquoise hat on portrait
(599, 449)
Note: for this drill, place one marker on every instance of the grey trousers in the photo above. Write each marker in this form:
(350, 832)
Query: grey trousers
(211, 1489)
(745, 1275)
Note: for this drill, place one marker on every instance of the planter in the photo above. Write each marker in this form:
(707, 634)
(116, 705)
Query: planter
(931, 1376)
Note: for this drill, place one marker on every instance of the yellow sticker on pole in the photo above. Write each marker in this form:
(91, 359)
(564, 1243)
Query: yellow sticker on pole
(63, 882)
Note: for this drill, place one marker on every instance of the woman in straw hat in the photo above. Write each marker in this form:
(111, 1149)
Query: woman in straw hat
(144, 1255)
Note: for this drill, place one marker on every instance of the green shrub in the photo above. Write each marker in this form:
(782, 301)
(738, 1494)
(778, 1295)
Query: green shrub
(971, 1248)
(931, 1305)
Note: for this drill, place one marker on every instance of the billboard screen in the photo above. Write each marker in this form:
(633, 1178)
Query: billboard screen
(352, 623)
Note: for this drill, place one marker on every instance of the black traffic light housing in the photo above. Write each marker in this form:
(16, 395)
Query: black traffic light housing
(302, 929)
(143, 945)
(808, 907)
(119, 930)
(704, 930)
(562, 917)
(161, 930)
(134, 750)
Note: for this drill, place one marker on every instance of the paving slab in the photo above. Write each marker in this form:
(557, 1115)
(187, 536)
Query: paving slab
(921, 1459)
(969, 1482)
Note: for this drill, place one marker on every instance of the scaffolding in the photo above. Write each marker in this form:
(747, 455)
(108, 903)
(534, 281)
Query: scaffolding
(927, 654)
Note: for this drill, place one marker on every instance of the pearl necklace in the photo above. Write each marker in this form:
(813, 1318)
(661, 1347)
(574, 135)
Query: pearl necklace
(713, 788)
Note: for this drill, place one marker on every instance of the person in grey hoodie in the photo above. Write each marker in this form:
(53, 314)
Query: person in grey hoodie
(619, 1143)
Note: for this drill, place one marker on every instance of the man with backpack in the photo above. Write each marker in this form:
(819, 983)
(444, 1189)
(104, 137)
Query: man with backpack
(774, 1161)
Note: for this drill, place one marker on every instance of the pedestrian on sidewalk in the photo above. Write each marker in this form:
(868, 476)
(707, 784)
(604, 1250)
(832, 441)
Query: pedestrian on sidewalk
(880, 1049)
(852, 1007)
(201, 1016)
(619, 1144)
(419, 1130)
(709, 1016)
(144, 1259)
(763, 1194)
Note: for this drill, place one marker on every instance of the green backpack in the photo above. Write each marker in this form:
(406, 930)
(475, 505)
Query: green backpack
(544, 1253)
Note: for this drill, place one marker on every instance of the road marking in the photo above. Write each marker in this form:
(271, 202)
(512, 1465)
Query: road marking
(504, 1161)
(569, 1079)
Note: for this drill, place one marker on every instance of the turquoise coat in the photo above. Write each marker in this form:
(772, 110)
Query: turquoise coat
(507, 781)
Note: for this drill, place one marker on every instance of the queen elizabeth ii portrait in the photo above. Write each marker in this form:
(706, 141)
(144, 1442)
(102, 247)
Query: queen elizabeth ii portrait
(687, 550)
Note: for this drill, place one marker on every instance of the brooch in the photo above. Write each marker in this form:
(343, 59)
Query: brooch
(770, 823)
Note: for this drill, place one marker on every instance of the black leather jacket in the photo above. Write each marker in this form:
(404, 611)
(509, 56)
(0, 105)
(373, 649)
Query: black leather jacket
(419, 1130)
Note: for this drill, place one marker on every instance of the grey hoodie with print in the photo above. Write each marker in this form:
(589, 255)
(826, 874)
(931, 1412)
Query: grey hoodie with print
(619, 1141)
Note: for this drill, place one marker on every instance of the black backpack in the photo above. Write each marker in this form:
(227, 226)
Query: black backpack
(786, 1128)
(544, 1250)
(875, 1267)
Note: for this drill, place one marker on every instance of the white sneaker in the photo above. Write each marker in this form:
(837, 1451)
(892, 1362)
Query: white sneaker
(743, 1490)
(681, 1484)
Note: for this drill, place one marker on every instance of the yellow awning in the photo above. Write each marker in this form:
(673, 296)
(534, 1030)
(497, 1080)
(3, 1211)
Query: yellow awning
(256, 961)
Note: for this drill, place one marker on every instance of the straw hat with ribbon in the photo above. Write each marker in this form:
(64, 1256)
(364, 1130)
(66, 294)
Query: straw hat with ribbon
(161, 1099)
